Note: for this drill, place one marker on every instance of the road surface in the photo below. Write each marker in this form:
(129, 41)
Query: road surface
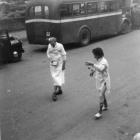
(28, 113)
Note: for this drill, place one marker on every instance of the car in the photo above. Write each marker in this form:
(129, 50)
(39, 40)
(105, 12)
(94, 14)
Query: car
(11, 48)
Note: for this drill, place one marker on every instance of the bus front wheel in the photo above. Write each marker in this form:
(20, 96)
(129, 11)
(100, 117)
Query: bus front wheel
(84, 37)
(125, 27)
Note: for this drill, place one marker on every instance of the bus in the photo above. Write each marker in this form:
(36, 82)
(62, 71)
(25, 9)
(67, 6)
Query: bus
(73, 21)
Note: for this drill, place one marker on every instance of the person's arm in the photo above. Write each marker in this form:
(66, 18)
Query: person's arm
(89, 63)
(48, 52)
(99, 67)
(63, 57)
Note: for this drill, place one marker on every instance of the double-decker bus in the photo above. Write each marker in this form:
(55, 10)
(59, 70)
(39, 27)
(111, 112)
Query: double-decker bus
(72, 20)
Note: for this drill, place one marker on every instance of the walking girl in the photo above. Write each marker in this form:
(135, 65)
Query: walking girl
(101, 70)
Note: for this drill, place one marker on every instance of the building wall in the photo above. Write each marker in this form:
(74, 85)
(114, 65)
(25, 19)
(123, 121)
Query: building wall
(136, 1)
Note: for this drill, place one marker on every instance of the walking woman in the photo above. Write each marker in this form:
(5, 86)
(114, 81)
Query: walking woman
(101, 69)
(57, 57)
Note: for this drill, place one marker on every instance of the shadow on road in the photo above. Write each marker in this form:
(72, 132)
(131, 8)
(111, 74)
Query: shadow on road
(40, 50)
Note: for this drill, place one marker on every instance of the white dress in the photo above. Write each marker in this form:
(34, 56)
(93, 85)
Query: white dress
(56, 56)
(102, 75)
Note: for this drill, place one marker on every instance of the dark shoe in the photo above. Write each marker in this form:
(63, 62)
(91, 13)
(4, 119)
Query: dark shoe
(60, 92)
(54, 97)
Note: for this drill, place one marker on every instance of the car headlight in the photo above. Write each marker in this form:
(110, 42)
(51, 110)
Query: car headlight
(15, 53)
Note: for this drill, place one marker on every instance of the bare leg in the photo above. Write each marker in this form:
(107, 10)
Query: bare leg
(103, 101)
(54, 96)
(105, 104)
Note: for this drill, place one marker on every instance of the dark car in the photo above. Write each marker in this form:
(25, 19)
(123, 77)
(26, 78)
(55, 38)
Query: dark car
(10, 48)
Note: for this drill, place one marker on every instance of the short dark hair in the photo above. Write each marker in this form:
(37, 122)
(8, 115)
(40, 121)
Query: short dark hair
(98, 52)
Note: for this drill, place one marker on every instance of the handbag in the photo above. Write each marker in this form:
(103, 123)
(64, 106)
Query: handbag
(54, 63)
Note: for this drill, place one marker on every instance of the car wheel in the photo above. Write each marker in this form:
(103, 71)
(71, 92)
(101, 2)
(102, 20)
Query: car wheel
(19, 56)
(84, 37)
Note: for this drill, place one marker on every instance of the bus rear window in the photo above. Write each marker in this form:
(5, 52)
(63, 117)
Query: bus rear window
(46, 11)
(38, 11)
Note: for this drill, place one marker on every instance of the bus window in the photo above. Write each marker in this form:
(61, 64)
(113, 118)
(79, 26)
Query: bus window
(102, 7)
(76, 9)
(31, 12)
(108, 6)
(66, 10)
(82, 8)
(46, 11)
(92, 7)
(38, 11)
(114, 6)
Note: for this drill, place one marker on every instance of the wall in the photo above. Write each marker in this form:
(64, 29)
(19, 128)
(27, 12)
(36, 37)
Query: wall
(13, 24)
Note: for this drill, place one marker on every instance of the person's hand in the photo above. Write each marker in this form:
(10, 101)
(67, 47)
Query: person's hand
(91, 74)
(89, 63)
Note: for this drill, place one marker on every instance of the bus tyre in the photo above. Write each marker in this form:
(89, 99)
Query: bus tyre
(125, 27)
(84, 37)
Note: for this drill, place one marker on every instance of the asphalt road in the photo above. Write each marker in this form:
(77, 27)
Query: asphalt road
(28, 113)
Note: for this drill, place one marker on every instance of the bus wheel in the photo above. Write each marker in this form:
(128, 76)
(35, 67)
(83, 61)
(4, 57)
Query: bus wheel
(84, 37)
(125, 27)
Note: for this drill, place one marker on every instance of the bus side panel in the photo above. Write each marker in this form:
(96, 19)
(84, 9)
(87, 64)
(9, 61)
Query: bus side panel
(30, 32)
(70, 30)
(55, 31)
(37, 32)
(94, 26)
(109, 25)
(118, 22)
